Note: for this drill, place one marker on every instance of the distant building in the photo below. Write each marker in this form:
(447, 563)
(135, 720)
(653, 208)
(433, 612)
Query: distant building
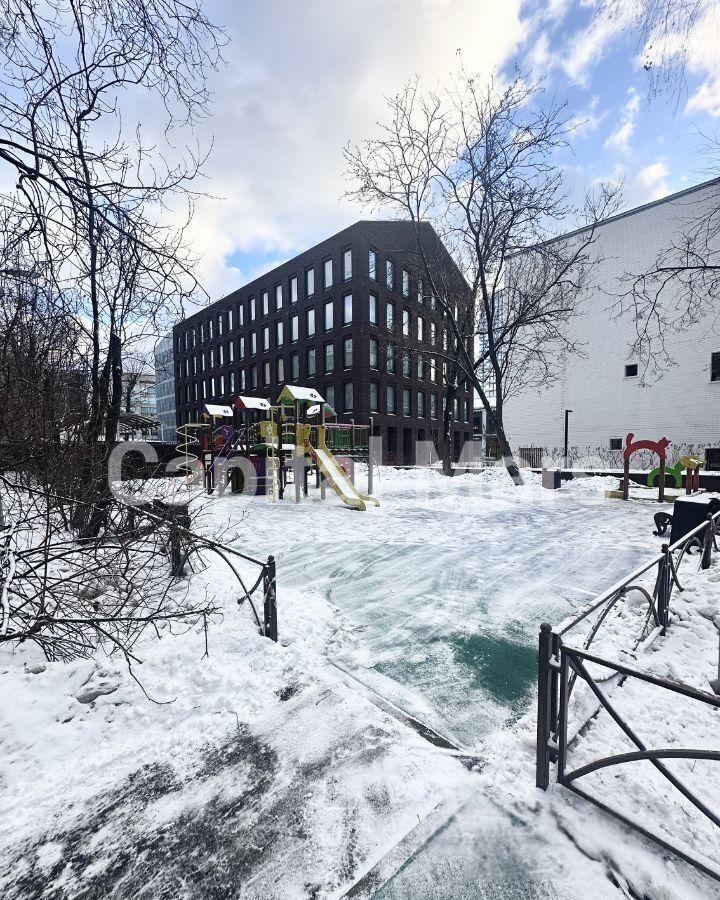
(139, 406)
(165, 389)
(349, 317)
(603, 387)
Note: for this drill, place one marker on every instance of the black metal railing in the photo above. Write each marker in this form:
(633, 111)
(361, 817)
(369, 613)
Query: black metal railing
(172, 522)
(561, 665)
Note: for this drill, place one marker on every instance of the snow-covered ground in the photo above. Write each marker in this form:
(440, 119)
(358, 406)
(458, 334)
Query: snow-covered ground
(287, 771)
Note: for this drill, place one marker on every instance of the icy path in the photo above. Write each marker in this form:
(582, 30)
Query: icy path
(445, 585)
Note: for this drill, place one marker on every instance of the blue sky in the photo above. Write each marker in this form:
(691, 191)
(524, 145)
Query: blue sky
(304, 79)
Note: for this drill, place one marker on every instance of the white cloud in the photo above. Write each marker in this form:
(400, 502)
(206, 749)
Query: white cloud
(643, 186)
(619, 140)
(586, 48)
(303, 80)
(587, 121)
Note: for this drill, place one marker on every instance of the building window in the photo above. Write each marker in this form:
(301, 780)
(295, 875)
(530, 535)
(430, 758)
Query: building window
(220, 324)
(327, 274)
(420, 291)
(347, 265)
(389, 274)
(406, 401)
(421, 368)
(221, 355)
(631, 370)
(406, 365)
(278, 296)
(210, 329)
(406, 322)
(311, 362)
(348, 396)
(241, 314)
(390, 352)
(222, 386)
(202, 333)
(265, 303)
(278, 334)
(295, 366)
(310, 322)
(328, 315)
(330, 395)
(372, 265)
(204, 386)
(253, 343)
(203, 358)
(421, 329)
(373, 353)
(390, 398)
(252, 309)
(347, 309)
(347, 353)
(373, 309)
(373, 397)
(212, 359)
(293, 289)
(231, 351)
(266, 373)
(242, 380)
(232, 383)
(280, 370)
(390, 316)
(309, 282)
(616, 444)
(468, 411)
(212, 387)
(241, 347)
(421, 405)
(405, 283)
(715, 366)
(230, 324)
(329, 355)
(433, 406)
(266, 337)
(293, 328)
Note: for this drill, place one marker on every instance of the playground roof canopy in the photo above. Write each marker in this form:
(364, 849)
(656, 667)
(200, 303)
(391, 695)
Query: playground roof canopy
(315, 409)
(252, 403)
(214, 409)
(291, 392)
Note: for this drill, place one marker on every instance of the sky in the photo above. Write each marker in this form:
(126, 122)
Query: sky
(302, 80)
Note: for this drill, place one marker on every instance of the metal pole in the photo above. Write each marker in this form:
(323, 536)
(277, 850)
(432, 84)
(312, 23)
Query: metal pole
(370, 458)
(567, 414)
(270, 601)
(542, 758)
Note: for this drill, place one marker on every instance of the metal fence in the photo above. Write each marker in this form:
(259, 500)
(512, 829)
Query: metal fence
(173, 522)
(561, 665)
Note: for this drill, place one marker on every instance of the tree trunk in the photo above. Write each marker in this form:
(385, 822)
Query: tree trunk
(447, 446)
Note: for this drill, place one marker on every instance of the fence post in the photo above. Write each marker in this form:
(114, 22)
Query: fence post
(707, 543)
(542, 759)
(270, 600)
(663, 587)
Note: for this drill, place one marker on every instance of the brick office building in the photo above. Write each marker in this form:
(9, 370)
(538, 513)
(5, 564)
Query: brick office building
(346, 317)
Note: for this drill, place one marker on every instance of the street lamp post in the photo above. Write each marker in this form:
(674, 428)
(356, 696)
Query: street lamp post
(567, 414)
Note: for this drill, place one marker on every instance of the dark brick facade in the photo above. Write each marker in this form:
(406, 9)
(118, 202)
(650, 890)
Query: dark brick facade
(217, 363)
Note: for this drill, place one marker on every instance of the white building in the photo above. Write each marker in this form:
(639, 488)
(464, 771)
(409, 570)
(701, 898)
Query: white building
(604, 389)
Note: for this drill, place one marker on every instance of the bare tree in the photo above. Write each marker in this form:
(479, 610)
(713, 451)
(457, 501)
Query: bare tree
(664, 30)
(476, 161)
(94, 193)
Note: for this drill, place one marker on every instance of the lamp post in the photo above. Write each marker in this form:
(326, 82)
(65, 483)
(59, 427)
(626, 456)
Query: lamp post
(567, 414)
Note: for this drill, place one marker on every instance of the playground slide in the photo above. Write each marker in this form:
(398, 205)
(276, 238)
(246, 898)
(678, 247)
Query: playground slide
(339, 481)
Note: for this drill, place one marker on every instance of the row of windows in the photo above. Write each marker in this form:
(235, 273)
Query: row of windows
(223, 321)
(218, 389)
(273, 337)
(395, 362)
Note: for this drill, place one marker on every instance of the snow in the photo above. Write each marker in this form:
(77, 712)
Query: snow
(285, 770)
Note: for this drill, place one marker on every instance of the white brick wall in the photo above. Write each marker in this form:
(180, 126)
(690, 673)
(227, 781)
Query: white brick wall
(682, 405)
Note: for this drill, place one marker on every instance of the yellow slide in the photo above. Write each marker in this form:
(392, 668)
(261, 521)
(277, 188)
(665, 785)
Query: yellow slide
(336, 477)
